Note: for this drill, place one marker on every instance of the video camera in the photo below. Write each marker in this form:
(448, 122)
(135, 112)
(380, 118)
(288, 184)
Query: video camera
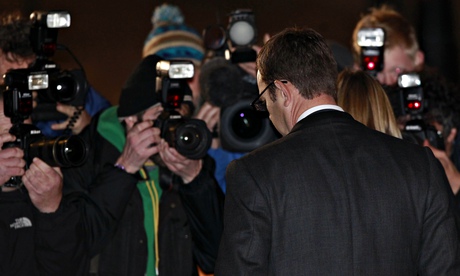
(371, 41)
(226, 85)
(190, 137)
(413, 104)
(44, 76)
(241, 33)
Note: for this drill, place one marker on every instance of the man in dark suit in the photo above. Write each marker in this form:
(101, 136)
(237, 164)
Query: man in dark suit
(332, 197)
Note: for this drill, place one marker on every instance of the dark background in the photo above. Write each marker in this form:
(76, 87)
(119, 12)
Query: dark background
(107, 36)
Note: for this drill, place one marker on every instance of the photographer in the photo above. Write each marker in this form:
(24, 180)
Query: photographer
(16, 52)
(172, 221)
(34, 226)
(403, 55)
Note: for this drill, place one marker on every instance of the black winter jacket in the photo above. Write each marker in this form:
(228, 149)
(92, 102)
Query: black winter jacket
(190, 215)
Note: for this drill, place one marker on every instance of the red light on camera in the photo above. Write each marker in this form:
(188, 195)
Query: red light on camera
(414, 105)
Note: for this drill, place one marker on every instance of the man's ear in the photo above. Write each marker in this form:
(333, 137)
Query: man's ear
(286, 92)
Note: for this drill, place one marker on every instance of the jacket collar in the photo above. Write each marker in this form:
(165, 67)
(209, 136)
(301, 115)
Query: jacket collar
(320, 116)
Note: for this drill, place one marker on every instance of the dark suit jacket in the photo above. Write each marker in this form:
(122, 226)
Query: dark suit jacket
(334, 197)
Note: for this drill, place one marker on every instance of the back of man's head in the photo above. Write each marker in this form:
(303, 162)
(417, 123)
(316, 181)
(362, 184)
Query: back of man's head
(398, 30)
(302, 57)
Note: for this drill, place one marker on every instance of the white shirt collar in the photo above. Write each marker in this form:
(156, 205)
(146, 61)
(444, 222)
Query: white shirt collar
(317, 108)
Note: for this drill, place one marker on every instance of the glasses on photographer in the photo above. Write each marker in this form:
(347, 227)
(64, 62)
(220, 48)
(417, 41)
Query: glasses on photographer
(259, 104)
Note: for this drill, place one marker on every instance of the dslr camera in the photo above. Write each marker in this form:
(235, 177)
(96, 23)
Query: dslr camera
(63, 151)
(44, 76)
(413, 104)
(371, 41)
(52, 85)
(241, 34)
(190, 137)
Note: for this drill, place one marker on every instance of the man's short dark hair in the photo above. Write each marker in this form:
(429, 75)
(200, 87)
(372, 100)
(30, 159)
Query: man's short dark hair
(14, 36)
(302, 57)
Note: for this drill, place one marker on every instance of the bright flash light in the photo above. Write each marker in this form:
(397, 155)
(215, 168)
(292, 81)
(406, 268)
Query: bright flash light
(58, 20)
(371, 37)
(181, 70)
(409, 80)
(38, 81)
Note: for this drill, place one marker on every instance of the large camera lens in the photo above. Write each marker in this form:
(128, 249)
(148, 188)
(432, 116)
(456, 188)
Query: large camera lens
(64, 151)
(192, 139)
(243, 129)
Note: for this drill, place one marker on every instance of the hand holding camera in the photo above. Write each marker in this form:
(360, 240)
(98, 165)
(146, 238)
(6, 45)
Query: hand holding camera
(11, 159)
(44, 184)
(141, 140)
(180, 165)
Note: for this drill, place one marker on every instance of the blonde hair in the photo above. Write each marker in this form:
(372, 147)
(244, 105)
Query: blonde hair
(398, 31)
(365, 99)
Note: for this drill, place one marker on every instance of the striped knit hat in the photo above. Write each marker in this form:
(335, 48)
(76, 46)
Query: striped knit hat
(170, 38)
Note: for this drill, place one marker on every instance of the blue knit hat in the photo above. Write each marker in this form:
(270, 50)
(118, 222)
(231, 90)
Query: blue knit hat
(171, 39)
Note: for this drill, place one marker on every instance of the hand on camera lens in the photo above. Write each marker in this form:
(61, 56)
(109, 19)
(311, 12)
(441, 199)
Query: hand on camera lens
(78, 119)
(11, 159)
(141, 143)
(209, 114)
(186, 168)
(44, 184)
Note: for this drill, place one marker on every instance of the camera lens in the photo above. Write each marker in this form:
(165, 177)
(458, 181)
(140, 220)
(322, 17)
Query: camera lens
(192, 139)
(214, 37)
(64, 151)
(243, 129)
(246, 123)
(64, 89)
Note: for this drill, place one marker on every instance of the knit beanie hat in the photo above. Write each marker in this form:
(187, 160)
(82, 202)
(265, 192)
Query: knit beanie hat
(139, 92)
(171, 39)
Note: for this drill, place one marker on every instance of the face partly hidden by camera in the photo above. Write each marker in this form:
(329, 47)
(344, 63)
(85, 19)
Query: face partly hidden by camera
(404, 89)
(52, 85)
(190, 137)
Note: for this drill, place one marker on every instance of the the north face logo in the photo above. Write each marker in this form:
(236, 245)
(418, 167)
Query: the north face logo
(21, 223)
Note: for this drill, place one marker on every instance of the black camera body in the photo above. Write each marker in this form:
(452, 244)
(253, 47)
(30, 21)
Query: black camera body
(64, 151)
(67, 87)
(190, 137)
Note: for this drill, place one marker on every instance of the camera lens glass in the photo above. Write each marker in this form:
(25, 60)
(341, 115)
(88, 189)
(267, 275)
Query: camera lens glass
(64, 89)
(188, 138)
(193, 139)
(74, 150)
(214, 37)
(246, 123)
(242, 129)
